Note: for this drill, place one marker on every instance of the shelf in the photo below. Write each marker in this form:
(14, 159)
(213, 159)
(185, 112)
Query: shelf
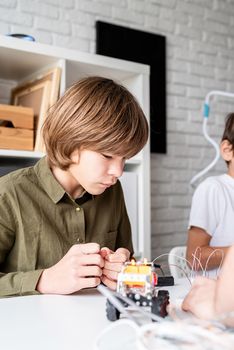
(20, 58)
(20, 154)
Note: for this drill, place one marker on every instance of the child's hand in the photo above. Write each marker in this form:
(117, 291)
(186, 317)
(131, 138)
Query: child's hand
(80, 268)
(200, 299)
(112, 265)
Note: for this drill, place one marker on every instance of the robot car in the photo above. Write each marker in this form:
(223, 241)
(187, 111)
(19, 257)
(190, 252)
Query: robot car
(138, 281)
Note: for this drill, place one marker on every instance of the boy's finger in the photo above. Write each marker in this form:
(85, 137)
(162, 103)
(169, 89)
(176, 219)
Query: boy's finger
(109, 283)
(88, 248)
(123, 251)
(113, 266)
(116, 258)
(105, 251)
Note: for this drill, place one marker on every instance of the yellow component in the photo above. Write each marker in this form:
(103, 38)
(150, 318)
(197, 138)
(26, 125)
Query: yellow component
(138, 269)
(131, 269)
(134, 283)
(146, 270)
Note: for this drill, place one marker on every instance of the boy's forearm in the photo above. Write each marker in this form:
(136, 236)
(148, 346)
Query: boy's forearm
(19, 283)
(207, 257)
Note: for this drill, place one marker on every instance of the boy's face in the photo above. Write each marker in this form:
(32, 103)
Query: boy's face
(94, 171)
(227, 153)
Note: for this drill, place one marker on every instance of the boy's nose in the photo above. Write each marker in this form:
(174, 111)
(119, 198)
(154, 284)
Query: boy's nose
(116, 170)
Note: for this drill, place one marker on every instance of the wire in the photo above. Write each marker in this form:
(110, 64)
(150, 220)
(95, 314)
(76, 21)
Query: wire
(214, 161)
(194, 266)
(208, 259)
(205, 133)
(179, 257)
(181, 268)
(199, 262)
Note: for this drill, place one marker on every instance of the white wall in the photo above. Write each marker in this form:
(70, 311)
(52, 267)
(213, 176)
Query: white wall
(200, 57)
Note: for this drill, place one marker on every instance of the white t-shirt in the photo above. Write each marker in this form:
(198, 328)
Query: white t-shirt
(213, 209)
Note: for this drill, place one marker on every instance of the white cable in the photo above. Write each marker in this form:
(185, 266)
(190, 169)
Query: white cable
(216, 158)
(179, 257)
(209, 257)
(199, 262)
(194, 266)
(219, 93)
(207, 137)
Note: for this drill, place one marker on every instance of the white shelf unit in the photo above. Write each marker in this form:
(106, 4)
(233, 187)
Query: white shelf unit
(21, 60)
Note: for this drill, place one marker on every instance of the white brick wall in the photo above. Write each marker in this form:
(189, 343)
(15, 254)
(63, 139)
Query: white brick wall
(200, 57)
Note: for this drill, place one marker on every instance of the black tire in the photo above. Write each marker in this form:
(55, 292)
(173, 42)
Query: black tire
(112, 313)
(159, 304)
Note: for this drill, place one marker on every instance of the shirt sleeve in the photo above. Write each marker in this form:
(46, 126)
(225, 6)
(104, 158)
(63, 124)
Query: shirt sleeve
(124, 237)
(205, 209)
(19, 283)
(13, 283)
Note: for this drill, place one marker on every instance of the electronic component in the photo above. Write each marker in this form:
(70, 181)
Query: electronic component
(138, 281)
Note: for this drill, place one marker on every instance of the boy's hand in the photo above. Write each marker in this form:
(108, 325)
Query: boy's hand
(200, 300)
(80, 268)
(112, 265)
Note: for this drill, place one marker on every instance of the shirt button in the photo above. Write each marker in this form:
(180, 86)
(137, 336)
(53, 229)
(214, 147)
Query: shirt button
(79, 240)
(78, 209)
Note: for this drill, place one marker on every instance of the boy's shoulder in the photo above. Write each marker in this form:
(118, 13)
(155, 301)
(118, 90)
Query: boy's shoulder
(213, 180)
(14, 178)
(215, 184)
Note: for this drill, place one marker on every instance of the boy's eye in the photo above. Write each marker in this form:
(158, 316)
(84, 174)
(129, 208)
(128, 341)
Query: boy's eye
(107, 156)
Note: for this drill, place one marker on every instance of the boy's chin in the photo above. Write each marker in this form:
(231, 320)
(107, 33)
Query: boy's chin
(97, 191)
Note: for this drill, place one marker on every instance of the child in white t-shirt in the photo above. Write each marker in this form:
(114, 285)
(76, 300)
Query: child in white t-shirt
(211, 223)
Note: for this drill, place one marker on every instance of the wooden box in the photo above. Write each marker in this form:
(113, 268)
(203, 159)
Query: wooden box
(20, 135)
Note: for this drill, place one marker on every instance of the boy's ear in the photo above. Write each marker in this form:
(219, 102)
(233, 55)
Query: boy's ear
(75, 156)
(226, 150)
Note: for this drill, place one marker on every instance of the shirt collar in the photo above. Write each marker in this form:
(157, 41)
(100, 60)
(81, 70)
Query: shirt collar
(54, 190)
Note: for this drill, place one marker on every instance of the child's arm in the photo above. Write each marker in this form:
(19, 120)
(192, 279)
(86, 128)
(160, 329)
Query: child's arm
(12, 282)
(198, 237)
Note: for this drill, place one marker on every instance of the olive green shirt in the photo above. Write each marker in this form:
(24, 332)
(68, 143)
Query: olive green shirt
(39, 222)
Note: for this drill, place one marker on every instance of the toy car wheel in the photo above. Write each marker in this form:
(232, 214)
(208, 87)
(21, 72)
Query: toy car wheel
(159, 304)
(112, 313)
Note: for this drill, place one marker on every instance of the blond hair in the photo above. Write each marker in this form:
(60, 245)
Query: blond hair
(96, 114)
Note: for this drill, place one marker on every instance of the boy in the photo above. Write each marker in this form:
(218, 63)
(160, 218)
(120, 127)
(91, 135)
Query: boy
(212, 213)
(55, 216)
(209, 299)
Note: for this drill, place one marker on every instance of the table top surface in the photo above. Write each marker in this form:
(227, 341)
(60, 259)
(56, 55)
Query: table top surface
(60, 322)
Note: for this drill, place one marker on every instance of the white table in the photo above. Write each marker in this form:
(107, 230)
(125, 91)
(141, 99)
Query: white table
(56, 322)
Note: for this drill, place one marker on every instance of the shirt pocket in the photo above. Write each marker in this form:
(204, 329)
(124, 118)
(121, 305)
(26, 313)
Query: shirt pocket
(109, 240)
